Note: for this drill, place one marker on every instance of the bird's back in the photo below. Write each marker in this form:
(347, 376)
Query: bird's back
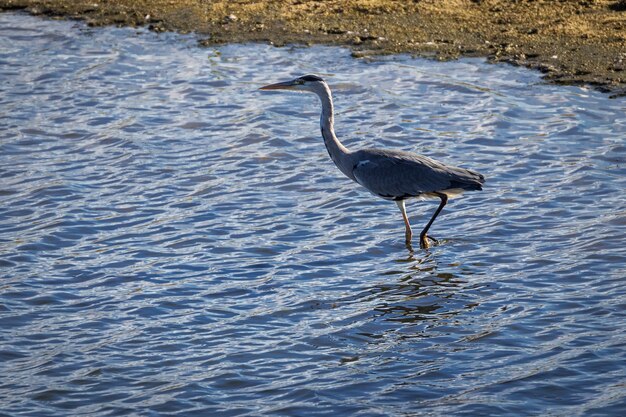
(396, 175)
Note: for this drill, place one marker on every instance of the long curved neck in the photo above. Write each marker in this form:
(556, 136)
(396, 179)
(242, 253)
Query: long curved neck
(338, 153)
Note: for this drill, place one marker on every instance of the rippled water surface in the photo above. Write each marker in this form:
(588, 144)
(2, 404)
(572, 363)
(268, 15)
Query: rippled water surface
(175, 242)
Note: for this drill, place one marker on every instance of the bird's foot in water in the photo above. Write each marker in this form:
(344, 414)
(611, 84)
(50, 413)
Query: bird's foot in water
(425, 244)
(408, 237)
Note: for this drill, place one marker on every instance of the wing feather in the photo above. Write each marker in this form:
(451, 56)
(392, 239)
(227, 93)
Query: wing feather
(397, 175)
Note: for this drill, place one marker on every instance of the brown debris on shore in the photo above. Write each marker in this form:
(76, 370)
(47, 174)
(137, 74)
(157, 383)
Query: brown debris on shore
(580, 42)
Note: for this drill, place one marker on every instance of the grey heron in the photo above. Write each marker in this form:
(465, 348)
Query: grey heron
(390, 174)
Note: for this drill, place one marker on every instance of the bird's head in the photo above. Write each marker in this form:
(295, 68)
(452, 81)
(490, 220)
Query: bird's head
(305, 83)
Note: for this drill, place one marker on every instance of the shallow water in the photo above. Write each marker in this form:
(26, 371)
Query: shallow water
(174, 242)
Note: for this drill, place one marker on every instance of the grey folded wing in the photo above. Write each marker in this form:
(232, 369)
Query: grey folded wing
(396, 175)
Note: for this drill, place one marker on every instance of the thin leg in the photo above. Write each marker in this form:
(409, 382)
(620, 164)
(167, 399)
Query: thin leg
(423, 236)
(408, 234)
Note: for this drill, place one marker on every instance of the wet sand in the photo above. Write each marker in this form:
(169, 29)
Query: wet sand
(580, 42)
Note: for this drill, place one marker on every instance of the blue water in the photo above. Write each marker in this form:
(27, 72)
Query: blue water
(175, 242)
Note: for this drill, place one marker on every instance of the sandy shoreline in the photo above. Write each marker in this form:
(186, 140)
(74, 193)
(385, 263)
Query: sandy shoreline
(571, 42)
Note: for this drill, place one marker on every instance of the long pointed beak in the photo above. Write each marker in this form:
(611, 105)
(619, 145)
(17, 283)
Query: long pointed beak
(287, 85)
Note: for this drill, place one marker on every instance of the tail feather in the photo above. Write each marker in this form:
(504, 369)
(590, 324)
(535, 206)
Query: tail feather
(468, 180)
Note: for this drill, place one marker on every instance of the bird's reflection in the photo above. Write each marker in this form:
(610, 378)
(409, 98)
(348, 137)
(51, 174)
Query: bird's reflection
(424, 289)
